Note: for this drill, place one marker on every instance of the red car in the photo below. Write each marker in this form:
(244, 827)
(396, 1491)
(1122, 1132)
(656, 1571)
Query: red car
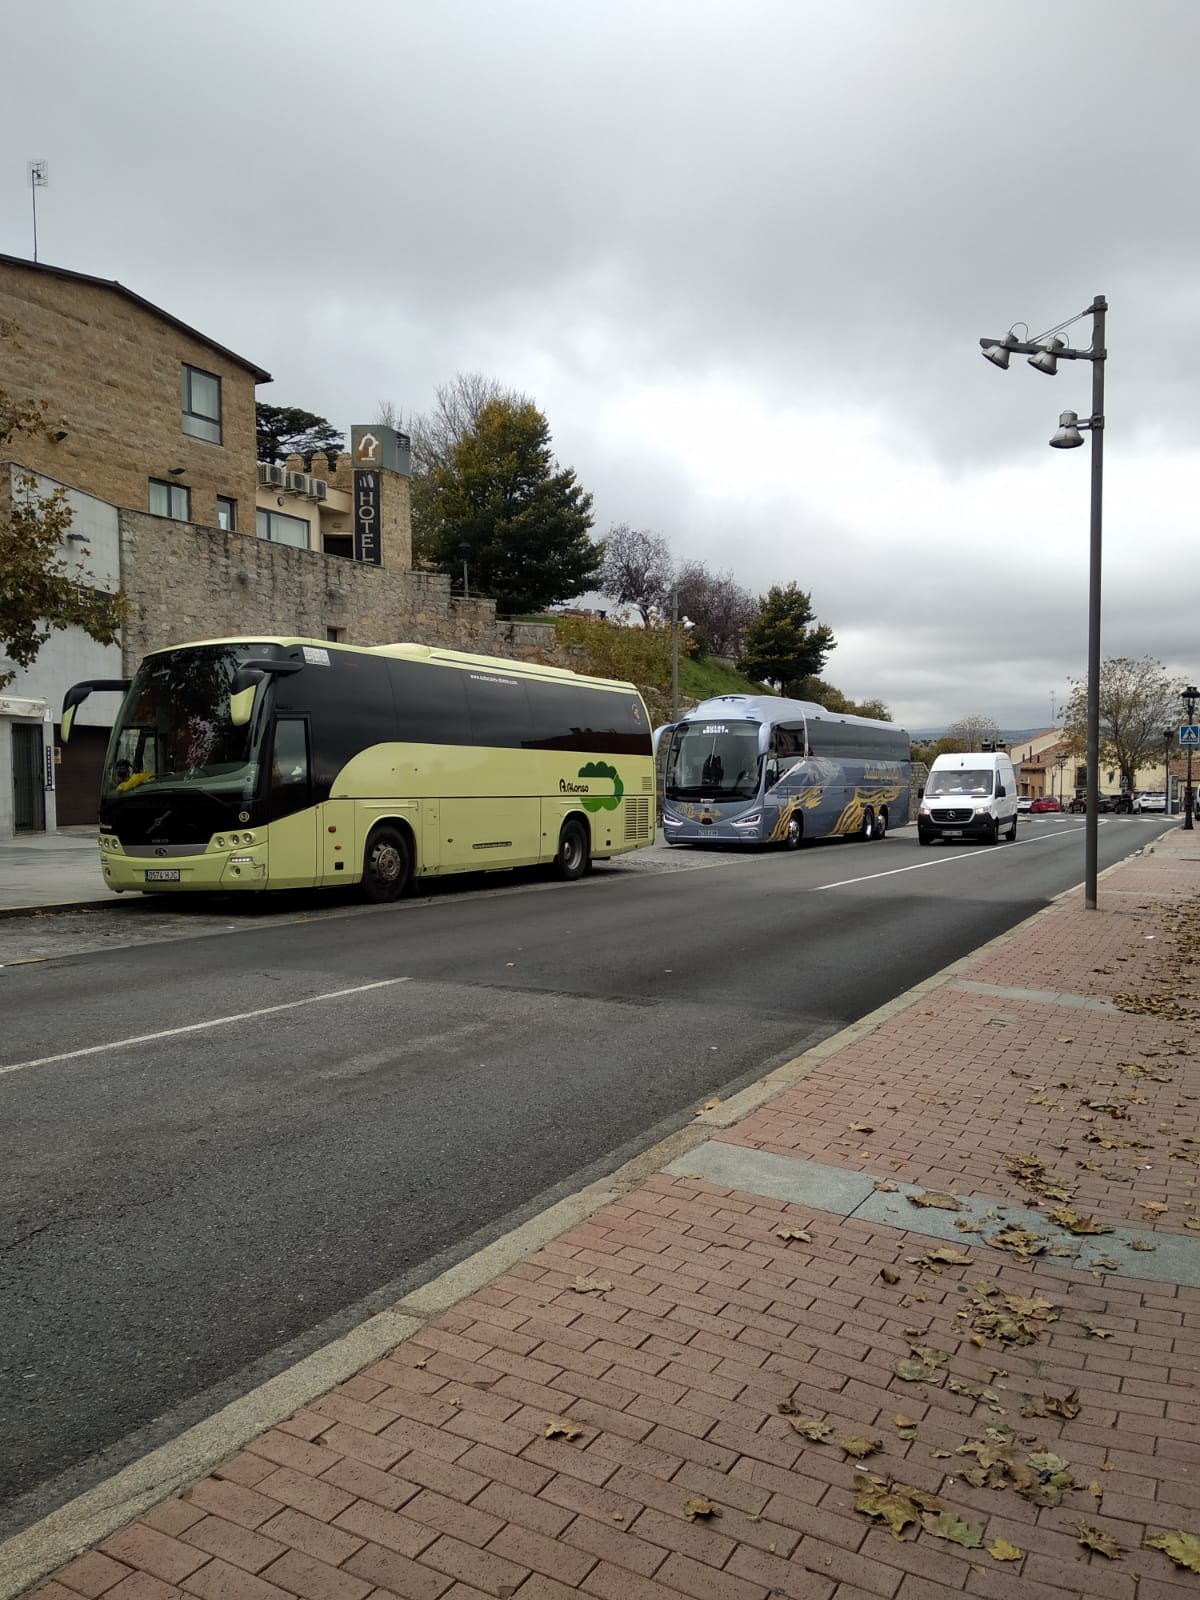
(1046, 802)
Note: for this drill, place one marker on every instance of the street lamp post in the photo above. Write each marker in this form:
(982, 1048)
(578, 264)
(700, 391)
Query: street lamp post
(1060, 761)
(1189, 697)
(464, 551)
(1044, 354)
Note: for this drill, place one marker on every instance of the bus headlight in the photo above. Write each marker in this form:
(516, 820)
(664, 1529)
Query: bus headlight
(671, 822)
(748, 822)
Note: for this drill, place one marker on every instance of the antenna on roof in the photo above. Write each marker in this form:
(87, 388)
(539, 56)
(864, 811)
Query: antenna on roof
(38, 179)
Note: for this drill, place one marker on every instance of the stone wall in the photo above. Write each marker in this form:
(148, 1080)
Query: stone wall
(109, 366)
(186, 582)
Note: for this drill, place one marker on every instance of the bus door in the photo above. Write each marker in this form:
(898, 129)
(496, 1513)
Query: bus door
(293, 819)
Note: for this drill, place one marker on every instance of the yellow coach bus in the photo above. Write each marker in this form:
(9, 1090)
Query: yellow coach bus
(289, 764)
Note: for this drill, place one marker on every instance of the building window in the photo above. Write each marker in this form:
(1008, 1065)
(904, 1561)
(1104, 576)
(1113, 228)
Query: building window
(201, 395)
(226, 514)
(281, 529)
(170, 500)
(334, 635)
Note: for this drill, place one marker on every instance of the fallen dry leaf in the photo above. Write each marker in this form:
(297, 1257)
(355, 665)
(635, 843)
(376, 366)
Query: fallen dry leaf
(1142, 1244)
(897, 1504)
(902, 1421)
(563, 1428)
(811, 1429)
(701, 1506)
(889, 1275)
(1018, 1242)
(948, 1525)
(885, 1186)
(1183, 1548)
(859, 1446)
(1153, 1208)
(1074, 1223)
(1096, 1539)
(794, 1233)
(861, 1127)
(709, 1105)
(1050, 1405)
(915, 1371)
(1001, 1550)
(591, 1285)
(935, 1198)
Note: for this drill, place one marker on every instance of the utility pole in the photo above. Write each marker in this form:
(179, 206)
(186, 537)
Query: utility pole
(38, 179)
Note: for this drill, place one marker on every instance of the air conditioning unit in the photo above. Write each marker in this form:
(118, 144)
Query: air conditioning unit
(264, 473)
(270, 475)
(297, 482)
(320, 489)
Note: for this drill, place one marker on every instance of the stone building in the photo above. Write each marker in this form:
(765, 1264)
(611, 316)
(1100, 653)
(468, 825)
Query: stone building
(153, 434)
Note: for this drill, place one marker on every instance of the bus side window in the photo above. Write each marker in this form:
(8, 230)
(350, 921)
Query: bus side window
(289, 766)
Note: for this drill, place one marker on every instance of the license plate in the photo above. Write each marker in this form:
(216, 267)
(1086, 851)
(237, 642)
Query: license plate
(162, 874)
(953, 833)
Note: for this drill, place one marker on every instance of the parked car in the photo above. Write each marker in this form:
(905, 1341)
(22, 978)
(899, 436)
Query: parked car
(1024, 802)
(1046, 802)
(1108, 802)
(1150, 800)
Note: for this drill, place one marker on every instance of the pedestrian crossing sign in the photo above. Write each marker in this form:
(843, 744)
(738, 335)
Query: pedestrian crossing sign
(1189, 735)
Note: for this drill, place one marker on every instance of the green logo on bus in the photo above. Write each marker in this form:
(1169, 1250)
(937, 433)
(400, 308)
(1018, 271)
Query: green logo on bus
(602, 802)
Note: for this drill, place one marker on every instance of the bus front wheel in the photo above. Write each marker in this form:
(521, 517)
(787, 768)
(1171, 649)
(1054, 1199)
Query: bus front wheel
(795, 832)
(571, 862)
(387, 865)
(868, 830)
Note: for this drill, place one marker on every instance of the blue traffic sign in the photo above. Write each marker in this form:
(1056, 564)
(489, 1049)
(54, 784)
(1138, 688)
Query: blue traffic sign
(1189, 734)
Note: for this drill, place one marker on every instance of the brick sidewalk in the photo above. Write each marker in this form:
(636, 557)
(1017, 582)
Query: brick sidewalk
(680, 1337)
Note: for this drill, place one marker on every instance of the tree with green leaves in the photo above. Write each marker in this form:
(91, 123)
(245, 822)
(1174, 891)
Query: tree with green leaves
(432, 436)
(779, 645)
(502, 504)
(42, 588)
(1137, 701)
(283, 431)
(825, 694)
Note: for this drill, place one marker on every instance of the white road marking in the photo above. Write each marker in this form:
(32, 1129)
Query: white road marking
(198, 1027)
(954, 860)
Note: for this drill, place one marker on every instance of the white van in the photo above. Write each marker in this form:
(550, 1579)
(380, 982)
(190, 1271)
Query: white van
(969, 795)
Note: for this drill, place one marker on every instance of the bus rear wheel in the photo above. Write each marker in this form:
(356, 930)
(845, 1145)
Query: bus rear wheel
(387, 865)
(881, 825)
(571, 862)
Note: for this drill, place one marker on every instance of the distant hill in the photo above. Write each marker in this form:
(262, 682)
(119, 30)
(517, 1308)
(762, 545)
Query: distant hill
(1010, 736)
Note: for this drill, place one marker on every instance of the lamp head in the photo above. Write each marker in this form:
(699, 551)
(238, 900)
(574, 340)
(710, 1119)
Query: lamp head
(1189, 696)
(1067, 435)
(1046, 359)
(1000, 352)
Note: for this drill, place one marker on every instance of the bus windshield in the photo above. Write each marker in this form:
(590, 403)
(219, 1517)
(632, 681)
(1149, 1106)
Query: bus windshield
(966, 780)
(174, 731)
(713, 761)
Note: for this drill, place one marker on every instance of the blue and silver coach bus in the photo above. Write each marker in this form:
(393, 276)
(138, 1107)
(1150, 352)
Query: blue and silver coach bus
(752, 769)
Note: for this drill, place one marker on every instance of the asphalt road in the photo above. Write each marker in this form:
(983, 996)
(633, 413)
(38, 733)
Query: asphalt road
(227, 1135)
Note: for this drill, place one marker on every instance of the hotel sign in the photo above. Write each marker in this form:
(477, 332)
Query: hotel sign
(366, 516)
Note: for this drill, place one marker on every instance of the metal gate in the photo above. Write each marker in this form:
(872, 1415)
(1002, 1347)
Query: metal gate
(29, 795)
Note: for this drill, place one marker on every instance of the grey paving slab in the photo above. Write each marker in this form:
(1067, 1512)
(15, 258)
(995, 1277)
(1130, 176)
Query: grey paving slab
(802, 1183)
(1170, 1258)
(1042, 997)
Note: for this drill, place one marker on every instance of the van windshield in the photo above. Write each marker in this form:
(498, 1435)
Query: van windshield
(967, 780)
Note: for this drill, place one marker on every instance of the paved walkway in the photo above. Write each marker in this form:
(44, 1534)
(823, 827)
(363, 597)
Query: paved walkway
(51, 871)
(942, 1272)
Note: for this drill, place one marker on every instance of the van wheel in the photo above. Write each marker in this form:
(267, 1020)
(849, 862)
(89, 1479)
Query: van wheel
(992, 834)
(387, 866)
(881, 825)
(571, 862)
(795, 832)
(1012, 829)
(868, 825)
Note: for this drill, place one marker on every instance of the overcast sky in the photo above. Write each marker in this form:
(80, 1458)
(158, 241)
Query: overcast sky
(740, 254)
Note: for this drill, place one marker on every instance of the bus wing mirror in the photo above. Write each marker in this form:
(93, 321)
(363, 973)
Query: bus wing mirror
(247, 679)
(78, 693)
